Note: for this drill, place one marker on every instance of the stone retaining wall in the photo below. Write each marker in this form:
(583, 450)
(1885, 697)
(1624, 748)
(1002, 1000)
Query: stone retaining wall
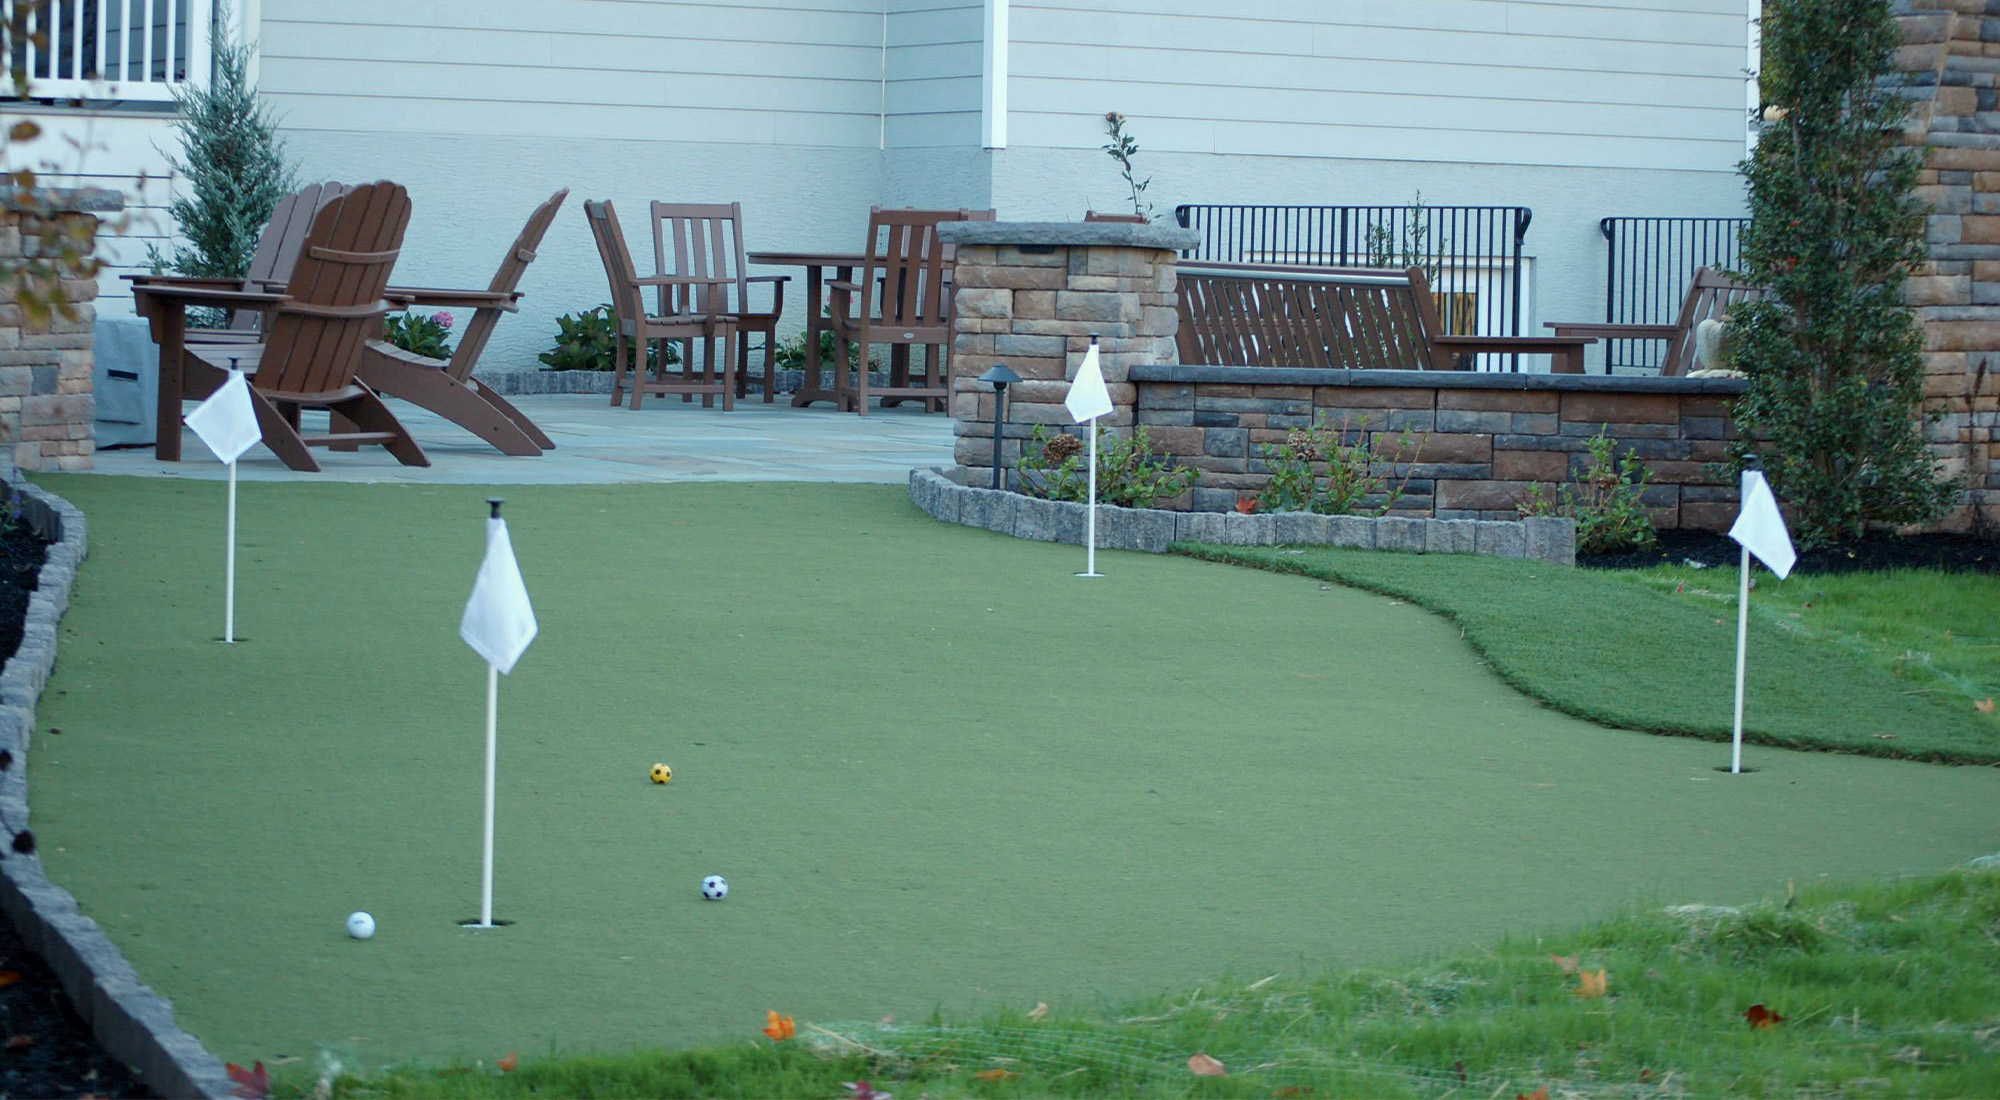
(46, 405)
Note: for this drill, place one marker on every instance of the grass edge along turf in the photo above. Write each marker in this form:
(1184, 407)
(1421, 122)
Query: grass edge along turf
(1533, 623)
(1876, 989)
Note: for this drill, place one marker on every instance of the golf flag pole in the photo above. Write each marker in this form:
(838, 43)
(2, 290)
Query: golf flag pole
(1760, 530)
(1087, 400)
(499, 623)
(227, 424)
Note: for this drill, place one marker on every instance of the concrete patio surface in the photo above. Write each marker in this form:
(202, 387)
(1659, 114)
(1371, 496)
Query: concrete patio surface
(596, 444)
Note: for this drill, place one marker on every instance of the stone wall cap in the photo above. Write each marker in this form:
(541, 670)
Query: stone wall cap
(1431, 379)
(1171, 238)
(44, 200)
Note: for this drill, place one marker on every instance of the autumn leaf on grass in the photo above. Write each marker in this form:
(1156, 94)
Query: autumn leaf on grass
(1539, 1094)
(1593, 983)
(251, 1084)
(862, 1090)
(994, 1075)
(1565, 963)
(509, 1064)
(1759, 1017)
(779, 1027)
(1201, 1065)
(1040, 1010)
(1984, 706)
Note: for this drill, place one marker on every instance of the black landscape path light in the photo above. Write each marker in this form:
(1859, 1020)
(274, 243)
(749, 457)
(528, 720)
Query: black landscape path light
(1001, 377)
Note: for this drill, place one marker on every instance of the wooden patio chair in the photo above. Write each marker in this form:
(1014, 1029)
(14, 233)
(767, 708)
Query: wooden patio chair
(706, 239)
(636, 329)
(1710, 297)
(902, 298)
(332, 305)
(448, 388)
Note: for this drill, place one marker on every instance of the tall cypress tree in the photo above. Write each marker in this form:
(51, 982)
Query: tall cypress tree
(1833, 354)
(235, 166)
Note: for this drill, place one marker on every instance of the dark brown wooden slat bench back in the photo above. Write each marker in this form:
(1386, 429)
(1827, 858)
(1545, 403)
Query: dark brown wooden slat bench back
(1265, 315)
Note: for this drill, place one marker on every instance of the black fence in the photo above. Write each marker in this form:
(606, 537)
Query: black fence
(1651, 265)
(1471, 254)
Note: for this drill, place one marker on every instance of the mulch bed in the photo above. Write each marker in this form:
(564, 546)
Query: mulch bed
(1951, 553)
(45, 1048)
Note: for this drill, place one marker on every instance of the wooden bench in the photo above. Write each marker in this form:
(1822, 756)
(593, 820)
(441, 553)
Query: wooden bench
(1267, 315)
(1711, 296)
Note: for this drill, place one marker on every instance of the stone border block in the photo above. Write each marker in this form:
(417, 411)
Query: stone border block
(1151, 530)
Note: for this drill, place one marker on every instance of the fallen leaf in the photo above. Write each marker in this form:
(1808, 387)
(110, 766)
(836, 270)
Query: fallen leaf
(1201, 1065)
(509, 1064)
(1984, 706)
(9, 977)
(1040, 1010)
(1898, 918)
(24, 131)
(779, 1027)
(251, 1084)
(1459, 1068)
(1593, 983)
(1566, 963)
(1885, 737)
(1246, 503)
(1647, 1074)
(1539, 1094)
(20, 1042)
(1760, 1017)
(994, 1075)
(862, 1090)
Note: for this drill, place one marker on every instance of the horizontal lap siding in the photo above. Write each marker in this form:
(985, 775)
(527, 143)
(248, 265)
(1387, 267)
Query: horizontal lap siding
(932, 73)
(1596, 84)
(807, 72)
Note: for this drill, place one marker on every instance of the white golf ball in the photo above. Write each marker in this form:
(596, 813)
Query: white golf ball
(360, 925)
(715, 887)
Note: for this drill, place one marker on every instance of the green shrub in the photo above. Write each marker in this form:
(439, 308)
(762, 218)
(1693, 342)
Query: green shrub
(1317, 469)
(1129, 473)
(589, 341)
(1605, 499)
(420, 335)
(791, 352)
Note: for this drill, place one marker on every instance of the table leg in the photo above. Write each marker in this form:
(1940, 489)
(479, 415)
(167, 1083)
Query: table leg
(809, 388)
(173, 346)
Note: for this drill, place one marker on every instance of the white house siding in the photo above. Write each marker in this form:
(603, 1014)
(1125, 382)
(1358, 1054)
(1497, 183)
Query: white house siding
(932, 79)
(483, 107)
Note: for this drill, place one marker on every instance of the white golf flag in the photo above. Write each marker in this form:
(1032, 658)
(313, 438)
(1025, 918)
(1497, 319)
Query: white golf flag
(1761, 529)
(499, 622)
(227, 422)
(1087, 396)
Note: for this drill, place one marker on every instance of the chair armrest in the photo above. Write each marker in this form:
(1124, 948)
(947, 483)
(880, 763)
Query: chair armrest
(1604, 331)
(209, 296)
(466, 299)
(1513, 343)
(768, 279)
(183, 280)
(684, 280)
(841, 284)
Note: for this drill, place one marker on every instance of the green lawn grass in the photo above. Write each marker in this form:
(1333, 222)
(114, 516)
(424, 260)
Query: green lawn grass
(1628, 650)
(942, 774)
(1886, 990)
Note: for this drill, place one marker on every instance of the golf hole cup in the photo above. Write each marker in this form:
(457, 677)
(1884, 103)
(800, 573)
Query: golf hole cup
(360, 925)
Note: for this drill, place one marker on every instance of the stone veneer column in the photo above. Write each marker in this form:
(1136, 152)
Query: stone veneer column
(1949, 63)
(46, 405)
(1030, 295)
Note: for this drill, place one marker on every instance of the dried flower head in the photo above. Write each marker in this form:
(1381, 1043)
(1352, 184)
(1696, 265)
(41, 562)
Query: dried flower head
(1061, 447)
(1301, 443)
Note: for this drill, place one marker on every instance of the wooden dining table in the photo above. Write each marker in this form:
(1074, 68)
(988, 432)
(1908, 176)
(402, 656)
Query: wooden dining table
(815, 264)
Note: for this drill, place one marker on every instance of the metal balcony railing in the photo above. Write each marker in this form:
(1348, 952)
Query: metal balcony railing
(1651, 264)
(117, 50)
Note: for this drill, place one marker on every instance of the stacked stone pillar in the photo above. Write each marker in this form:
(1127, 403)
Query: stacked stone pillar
(47, 243)
(1031, 295)
(1951, 67)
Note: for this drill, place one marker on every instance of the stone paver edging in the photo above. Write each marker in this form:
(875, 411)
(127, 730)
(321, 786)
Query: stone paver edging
(135, 1024)
(1152, 530)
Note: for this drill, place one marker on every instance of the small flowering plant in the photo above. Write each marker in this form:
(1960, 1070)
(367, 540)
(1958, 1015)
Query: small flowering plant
(421, 335)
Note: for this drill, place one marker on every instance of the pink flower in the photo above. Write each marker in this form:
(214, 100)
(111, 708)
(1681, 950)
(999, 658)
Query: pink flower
(443, 318)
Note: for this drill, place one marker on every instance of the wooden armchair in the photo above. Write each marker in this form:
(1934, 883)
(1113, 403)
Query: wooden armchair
(1711, 296)
(706, 239)
(686, 319)
(448, 388)
(903, 299)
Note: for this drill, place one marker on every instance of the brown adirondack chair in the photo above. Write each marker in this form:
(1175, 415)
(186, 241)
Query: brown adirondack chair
(1711, 296)
(448, 388)
(707, 239)
(636, 329)
(332, 305)
(908, 271)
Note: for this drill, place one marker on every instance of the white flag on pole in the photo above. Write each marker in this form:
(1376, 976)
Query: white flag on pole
(1087, 396)
(1761, 529)
(227, 421)
(499, 622)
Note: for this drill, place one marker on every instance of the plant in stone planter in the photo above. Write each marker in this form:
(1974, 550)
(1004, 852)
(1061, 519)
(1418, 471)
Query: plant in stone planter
(1606, 498)
(1330, 469)
(1129, 473)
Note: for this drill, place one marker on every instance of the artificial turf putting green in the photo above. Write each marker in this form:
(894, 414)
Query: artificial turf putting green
(939, 771)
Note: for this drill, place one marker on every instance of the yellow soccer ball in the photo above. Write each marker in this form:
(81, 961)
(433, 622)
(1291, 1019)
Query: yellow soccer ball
(662, 773)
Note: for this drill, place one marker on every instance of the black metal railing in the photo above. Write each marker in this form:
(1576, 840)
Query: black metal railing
(1651, 264)
(1470, 254)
